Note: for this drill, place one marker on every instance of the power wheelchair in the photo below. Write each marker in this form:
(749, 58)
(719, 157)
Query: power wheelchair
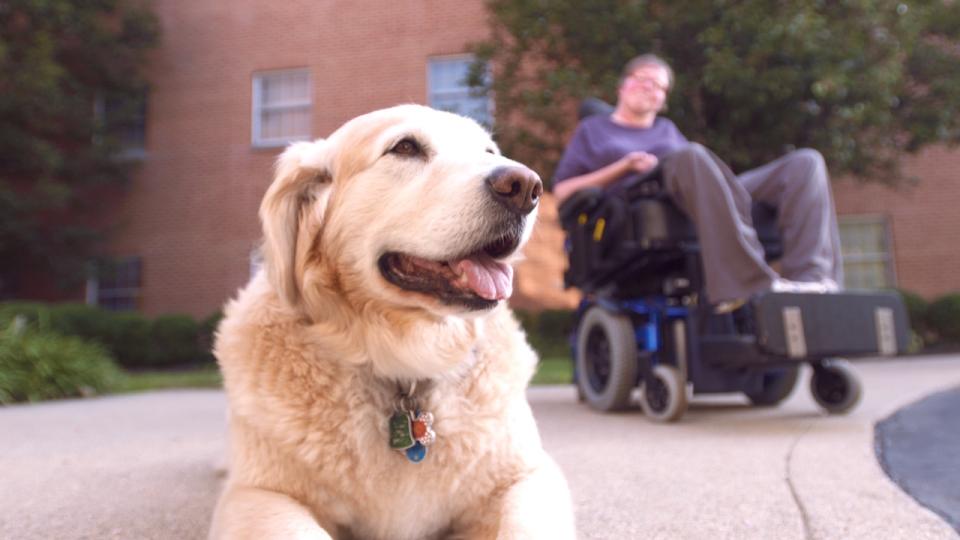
(644, 320)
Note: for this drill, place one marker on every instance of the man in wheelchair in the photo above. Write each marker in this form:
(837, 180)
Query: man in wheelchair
(610, 151)
(671, 250)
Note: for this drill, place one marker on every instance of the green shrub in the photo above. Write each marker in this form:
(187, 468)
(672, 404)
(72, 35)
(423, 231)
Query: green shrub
(81, 320)
(37, 365)
(917, 307)
(125, 334)
(129, 339)
(132, 339)
(527, 319)
(943, 318)
(548, 331)
(65, 319)
(30, 311)
(208, 330)
(557, 323)
(174, 340)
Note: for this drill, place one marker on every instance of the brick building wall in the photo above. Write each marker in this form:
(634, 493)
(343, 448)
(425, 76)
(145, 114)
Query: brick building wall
(539, 276)
(924, 219)
(191, 212)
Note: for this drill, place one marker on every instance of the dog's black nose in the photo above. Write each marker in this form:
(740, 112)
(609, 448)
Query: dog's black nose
(517, 188)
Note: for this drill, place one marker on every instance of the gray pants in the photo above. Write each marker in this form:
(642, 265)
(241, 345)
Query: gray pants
(719, 203)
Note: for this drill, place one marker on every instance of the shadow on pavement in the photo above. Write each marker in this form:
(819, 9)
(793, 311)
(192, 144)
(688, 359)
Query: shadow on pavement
(919, 448)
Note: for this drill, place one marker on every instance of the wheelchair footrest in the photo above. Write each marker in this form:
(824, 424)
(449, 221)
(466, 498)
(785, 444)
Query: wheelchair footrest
(811, 326)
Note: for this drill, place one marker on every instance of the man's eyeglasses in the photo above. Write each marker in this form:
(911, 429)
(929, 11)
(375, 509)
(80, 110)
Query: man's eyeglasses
(647, 82)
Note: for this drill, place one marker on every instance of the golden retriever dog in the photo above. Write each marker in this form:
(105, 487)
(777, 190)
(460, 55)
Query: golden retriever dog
(375, 377)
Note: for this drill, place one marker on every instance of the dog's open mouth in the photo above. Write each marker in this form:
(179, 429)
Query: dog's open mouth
(476, 280)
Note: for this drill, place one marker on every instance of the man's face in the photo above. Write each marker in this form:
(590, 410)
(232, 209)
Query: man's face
(645, 90)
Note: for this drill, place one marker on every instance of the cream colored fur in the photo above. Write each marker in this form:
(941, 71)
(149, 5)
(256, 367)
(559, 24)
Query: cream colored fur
(313, 349)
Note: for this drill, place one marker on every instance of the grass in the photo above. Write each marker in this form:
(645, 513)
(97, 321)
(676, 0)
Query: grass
(139, 381)
(552, 370)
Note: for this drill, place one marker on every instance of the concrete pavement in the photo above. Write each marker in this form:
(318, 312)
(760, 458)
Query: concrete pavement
(149, 465)
(141, 466)
(730, 471)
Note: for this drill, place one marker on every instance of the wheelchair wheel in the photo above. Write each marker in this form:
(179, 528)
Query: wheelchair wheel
(835, 386)
(776, 386)
(606, 359)
(664, 396)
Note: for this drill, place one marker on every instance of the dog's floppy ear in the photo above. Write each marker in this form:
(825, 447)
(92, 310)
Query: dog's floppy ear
(302, 178)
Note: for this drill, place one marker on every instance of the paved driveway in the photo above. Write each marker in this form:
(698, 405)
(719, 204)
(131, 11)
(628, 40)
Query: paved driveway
(732, 471)
(149, 466)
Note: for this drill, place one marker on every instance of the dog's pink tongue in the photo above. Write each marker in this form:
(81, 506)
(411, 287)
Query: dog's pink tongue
(488, 278)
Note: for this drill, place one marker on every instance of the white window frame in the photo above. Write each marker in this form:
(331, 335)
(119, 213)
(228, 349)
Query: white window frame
(96, 293)
(887, 257)
(129, 150)
(464, 91)
(257, 107)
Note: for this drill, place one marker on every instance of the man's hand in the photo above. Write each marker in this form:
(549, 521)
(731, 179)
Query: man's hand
(640, 162)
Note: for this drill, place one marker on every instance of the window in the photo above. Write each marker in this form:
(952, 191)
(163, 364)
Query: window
(281, 107)
(123, 121)
(115, 284)
(449, 91)
(867, 253)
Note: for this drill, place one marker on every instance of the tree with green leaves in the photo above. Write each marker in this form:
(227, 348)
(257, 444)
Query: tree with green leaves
(863, 81)
(73, 77)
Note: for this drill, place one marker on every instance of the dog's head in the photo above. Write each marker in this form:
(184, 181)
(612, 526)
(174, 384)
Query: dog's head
(407, 205)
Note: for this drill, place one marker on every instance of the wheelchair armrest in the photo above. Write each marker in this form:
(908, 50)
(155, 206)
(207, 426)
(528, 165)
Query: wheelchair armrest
(582, 201)
(585, 200)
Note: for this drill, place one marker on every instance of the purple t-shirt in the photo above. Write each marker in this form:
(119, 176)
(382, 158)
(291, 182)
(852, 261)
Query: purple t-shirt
(599, 141)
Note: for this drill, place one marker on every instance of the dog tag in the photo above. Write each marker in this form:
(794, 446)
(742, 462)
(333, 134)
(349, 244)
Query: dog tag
(416, 453)
(422, 427)
(401, 436)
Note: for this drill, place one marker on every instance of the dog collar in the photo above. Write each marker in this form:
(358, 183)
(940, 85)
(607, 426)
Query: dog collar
(411, 429)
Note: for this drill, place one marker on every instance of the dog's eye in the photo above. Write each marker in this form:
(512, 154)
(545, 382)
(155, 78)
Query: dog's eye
(490, 151)
(407, 147)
